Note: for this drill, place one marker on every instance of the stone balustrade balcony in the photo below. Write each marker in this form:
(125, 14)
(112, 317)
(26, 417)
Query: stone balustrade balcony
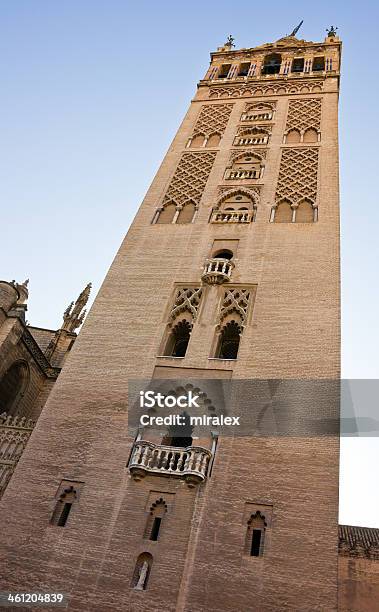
(242, 174)
(217, 271)
(189, 463)
(256, 116)
(232, 216)
(251, 140)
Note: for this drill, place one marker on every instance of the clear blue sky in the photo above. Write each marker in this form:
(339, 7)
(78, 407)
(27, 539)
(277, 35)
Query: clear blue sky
(92, 94)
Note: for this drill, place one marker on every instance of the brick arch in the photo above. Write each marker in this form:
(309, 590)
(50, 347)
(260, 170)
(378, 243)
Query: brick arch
(158, 502)
(254, 153)
(260, 106)
(236, 191)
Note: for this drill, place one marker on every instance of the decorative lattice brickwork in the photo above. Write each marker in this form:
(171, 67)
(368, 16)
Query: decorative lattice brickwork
(189, 180)
(186, 299)
(235, 301)
(298, 175)
(269, 89)
(213, 119)
(304, 114)
(15, 432)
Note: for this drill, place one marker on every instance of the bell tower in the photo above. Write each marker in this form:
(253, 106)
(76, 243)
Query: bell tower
(229, 272)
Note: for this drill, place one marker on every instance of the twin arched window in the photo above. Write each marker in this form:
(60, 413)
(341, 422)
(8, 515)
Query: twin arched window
(238, 206)
(201, 140)
(284, 212)
(246, 166)
(170, 213)
(295, 136)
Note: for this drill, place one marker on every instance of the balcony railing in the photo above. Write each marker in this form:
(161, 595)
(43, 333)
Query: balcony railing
(256, 117)
(190, 463)
(251, 140)
(231, 216)
(217, 271)
(243, 174)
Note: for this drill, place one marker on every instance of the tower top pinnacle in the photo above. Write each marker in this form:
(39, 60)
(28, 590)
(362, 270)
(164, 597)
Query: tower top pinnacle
(74, 314)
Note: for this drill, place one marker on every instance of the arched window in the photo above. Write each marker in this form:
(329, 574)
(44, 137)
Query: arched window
(63, 507)
(236, 201)
(178, 340)
(197, 141)
(229, 340)
(167, 214)
(252, 136)
(293, 137)
(180, 436)
(154, 520)
(13, 385)
(213, 140)
(310, 135)
(262, 111)
(272, 64)
(224, 254)
(283, 213)
(255, 535)
(304, 212)
(142, 571)
(245, 167)
(187, 213)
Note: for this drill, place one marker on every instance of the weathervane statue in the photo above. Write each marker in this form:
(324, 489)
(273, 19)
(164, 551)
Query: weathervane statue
(332, 31)
(230, 41)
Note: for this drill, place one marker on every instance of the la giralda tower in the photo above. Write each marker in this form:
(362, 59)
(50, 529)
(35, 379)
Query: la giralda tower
(230, 270)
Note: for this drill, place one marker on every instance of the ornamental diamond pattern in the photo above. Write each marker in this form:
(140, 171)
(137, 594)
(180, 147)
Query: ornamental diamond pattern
(187, 298)
(235, 300)
(190, 178)
(298, 175)
(213, 119)
(304, 114)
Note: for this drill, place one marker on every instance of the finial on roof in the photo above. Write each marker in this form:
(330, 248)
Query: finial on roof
(332, 31)
(230, 41)
(74, 314)
(295, 31)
